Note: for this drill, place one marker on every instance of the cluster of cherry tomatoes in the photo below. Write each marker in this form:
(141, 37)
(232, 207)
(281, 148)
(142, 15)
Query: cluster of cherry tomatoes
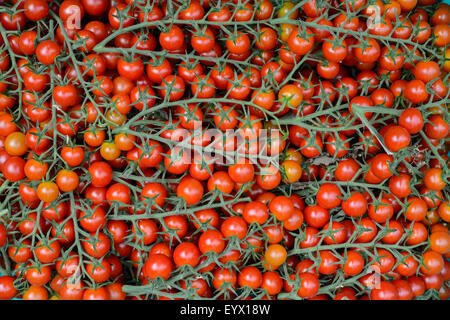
(118, 121)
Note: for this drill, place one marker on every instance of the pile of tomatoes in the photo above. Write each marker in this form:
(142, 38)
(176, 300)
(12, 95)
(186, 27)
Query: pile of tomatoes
(131, 164)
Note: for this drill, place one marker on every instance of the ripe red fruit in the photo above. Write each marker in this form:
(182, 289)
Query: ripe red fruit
(158, 265)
